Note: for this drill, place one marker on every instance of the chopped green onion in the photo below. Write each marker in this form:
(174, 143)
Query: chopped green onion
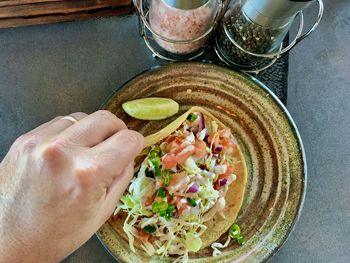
(155, 207)
(191, 202)
(155, 161)
(171, 208)
(166, 177)
(169, 212)
(161, 192)
(158, 150)
(157, 171)
(149, 229)
(234, 231)
(240, 240)
(153, 154)
(159, 207)
(192, 117)
(164, 209)
(163, 206)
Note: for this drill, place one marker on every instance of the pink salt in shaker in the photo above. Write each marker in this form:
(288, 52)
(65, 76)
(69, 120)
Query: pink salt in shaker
(182, 27)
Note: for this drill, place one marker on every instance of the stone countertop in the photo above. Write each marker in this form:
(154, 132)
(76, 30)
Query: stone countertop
(53, 70)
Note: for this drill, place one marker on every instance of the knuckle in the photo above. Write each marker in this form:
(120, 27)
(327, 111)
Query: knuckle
(132, 138)
(106, 114)
(110, 118)
(53, 150)
(28, 142)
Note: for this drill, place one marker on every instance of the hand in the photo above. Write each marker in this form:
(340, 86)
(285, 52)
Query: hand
(60, 182)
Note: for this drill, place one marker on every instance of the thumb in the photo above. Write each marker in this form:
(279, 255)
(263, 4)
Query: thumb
(117, 189)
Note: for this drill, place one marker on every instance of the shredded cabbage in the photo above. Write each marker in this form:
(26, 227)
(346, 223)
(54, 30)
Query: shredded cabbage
(128, 201)
(208, 195)
(216, 245)
(142, 186)
(191, 167)
(148, 247)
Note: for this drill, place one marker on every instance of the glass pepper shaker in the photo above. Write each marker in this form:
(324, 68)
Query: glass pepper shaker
(252, 31)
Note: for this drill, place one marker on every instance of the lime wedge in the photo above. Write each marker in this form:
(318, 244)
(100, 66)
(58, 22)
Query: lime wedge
(151, 108)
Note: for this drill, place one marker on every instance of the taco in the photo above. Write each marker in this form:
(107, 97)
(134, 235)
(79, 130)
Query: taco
(187, 190)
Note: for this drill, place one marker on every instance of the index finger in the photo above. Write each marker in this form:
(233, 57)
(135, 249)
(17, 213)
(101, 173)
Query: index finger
(92, 129)
(117, 152)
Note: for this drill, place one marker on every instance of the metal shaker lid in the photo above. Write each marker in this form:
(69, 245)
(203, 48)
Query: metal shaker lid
(273, 13)
(186, 4)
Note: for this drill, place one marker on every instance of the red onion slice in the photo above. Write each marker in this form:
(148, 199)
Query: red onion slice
(193, 188)
(218, 148)
(222, 182)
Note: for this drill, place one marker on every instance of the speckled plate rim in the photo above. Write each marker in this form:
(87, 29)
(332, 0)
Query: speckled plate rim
(279, 104)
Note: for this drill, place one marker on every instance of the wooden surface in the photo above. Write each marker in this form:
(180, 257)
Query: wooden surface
(15, 13)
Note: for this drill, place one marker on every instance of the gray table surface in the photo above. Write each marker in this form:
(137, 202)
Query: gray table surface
(58, 69)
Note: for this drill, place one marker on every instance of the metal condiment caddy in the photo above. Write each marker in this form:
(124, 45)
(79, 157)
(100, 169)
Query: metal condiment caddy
(249, 38)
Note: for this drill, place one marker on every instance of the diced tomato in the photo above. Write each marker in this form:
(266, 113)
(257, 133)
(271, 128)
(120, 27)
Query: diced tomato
(175, 142)
(229, 170)
(176, 200)
(200, 150)
(143, 235)
(178, 181)
(176, 178)
(172, 146)
(182, 207)
(177, 156)
(228, 145)
(170, 138)
(181, 155)
(169, 161)
(183, 136)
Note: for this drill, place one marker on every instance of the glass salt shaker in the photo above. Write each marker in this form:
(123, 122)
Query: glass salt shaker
(178, 29)
(251, 35)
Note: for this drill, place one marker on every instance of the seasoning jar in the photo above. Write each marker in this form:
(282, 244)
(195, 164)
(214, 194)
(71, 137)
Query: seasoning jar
(252, 31)
(178, 29)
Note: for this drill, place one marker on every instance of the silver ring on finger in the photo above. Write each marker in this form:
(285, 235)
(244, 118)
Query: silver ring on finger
(70, 118)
